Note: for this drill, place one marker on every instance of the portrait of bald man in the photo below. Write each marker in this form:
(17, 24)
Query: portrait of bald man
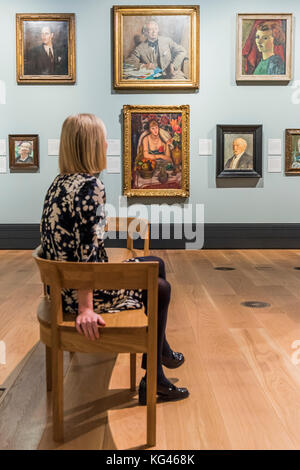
(46, 48)
(240, 160)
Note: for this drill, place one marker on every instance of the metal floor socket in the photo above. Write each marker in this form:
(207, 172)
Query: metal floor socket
(255, 304)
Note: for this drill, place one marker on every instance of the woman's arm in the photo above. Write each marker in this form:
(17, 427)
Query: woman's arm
(87, 320)
(150, 156)
(88, 217)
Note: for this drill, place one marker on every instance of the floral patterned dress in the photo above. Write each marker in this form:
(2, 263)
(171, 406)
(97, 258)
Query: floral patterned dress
(72, 228)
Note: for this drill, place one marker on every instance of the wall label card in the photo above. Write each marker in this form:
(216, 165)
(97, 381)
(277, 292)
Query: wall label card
(274, 146)
(114, 147)
(113, 165)
(53, 146)
(274, 164)
(2, 147)
(205, 147)
(2, 92)
(3, 165)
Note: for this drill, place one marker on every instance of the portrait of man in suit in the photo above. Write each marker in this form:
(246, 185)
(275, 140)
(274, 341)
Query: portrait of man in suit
(46, 48)
(157, 54)
(238, 158)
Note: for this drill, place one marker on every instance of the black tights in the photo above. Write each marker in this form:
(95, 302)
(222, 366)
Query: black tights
(164, 294)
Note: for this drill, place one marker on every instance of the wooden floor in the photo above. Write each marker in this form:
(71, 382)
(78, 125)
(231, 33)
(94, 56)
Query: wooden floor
(241, 369)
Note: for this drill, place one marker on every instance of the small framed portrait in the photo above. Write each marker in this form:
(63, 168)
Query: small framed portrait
(46, 48)
(156, 47)
(292, 151)
(24, 152)
(156, 151)
(264, 48)
(239, 151)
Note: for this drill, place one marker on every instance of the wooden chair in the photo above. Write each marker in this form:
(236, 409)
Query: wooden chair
(127, 331)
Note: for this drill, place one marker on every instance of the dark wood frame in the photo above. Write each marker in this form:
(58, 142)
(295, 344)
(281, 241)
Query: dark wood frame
(45, 79)
(23, 166)
(289, 133)
(256, 130)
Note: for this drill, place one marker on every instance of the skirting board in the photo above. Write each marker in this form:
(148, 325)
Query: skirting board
(216, 236)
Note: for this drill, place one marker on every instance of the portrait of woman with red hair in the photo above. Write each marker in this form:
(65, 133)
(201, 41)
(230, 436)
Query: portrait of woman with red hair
(264, 50)
(264, 47)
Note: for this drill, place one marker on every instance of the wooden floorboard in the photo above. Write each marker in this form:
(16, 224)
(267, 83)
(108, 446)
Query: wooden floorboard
(244, 385)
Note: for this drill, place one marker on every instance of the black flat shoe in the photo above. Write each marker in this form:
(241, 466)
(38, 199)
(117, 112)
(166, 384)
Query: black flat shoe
(165, 392)
(175, 360)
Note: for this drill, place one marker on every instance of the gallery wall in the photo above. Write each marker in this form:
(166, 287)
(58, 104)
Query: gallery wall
(41, 109)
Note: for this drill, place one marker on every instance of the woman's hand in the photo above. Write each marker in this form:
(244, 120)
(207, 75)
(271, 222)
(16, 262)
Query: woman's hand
(87, 323)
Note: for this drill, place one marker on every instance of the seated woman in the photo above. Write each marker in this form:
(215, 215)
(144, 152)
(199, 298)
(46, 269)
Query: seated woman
(153, 146)
(72, 228)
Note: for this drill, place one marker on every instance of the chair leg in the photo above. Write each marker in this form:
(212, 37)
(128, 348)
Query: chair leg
(48, 369)
(151, 399)
(132, 371)
(58, 394)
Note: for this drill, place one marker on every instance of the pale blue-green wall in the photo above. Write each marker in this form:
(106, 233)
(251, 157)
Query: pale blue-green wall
(42, 109)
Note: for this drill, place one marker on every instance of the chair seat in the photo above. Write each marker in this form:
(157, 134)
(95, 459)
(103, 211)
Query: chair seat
(126, 318)
(117, 255)
(124, 332)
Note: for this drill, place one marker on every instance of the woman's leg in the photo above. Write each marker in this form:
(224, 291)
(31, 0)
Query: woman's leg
(164, 294)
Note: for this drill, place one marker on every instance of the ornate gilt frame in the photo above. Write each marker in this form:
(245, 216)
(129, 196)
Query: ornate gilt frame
(289, 133)
(128, 110)
(45, 79)
(156, 10)
(248, 79)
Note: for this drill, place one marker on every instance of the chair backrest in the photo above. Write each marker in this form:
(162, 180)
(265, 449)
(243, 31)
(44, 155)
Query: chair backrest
(75, 275)
(130, 225)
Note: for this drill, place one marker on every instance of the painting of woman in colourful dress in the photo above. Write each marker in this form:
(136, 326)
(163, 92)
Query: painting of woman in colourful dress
(156, 143)
(156, 150)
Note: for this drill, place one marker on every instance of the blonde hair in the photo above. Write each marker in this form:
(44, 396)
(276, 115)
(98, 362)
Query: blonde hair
(82, 145)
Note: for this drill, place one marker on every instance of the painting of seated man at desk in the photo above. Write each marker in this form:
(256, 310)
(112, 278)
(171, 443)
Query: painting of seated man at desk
(156, 48)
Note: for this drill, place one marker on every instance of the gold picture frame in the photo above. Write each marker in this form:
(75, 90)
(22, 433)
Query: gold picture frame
(264, 48)
(173, 53)
(156, 150)
(45, 48)
(292, 152)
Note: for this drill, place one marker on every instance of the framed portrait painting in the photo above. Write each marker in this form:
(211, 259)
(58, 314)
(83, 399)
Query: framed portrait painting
(24, 152)
(46, 48)
(239, 151)
(292, 151)
(264, 47)
(156, 47)
(156, 151)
